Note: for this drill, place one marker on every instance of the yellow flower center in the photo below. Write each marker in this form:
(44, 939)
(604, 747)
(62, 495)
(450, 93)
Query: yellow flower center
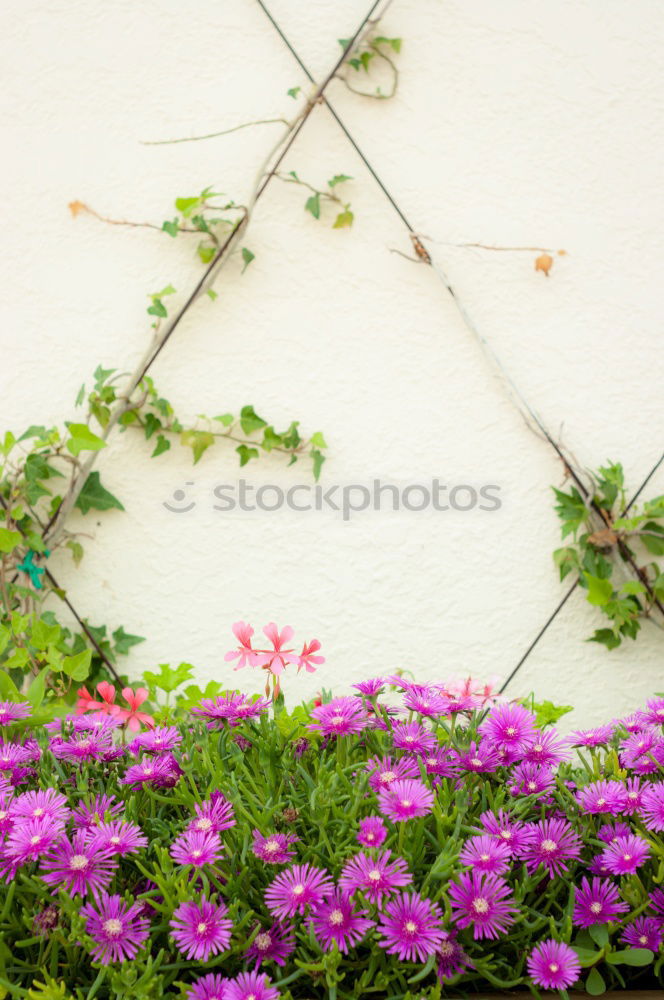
(112, 927)
(548, 846)
(79, 862)
(480, 905)
(336, 917)
(298, 890)
(374, 875)
(201, 928)
(263, 942)
(204, 824)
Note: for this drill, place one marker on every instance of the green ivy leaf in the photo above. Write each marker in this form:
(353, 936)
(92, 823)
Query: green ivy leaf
(654, 540)
(77, 666)
(246, 454)
(187, 205)
(124, 641)
(226, 419)
(9, 540)
(607, 637)
(172, 228)
(312, 204)
(339, 179)
(547, 714)
(162, 445)
(293, 92)
(250, 421)
(94, 496)
(271, 439)
(599, 591)
(80, 396)
(198, 441)
(247, 257)
(168, 679)
(206, 253)
(152, 424)
(317, 440)
(344, 220)
(82, 439)
(8, 690)
(76, 550)
(158, 309)
(318, 459)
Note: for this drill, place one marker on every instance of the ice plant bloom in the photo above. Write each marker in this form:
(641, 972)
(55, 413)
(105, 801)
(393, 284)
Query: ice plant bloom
(484, 901)
(119, 837)
(386, 770)
(275, 848)
(553, 965)
(374, 877)
(210, 987)
(486, 854)
(425, 701)
(335, 921)
(405, 799)
(371, 687)
(653, 714)
(250, 986)
(652, 807)
(78, 865)
(510, 725)
(196, 849)
(597, 737)
(201, 929)
(451, 959)
(645, 932)
(94, 813)
(131, 716)
(510, 831)
(602, 797)
(157, 740)
(49, 804)
(29, 840)
(12, 711)
(118, 929)
(340, 716)
(232, 708)
(410, 927)
(478, 758)
(597, 903)
(372, 832)
(642, 751)
(625, 854)
(215, 814)
(150, 771)
(297, 888)
(414, 738)
(531, 779)
(272, 945)
(551, 843)
(546, 749)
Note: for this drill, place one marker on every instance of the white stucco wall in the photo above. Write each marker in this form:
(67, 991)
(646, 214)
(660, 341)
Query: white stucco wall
(515, 123)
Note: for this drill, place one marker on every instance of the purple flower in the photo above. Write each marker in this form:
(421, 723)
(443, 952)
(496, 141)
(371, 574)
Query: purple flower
(372, 832)
(411, 927)
(482, 900)
(546, 749)
(593, 737)
(13, 755)
(6, 820)
(531, 779)
(29, 840)
(413, 737)
(506, 829)
(652, 807)
(653, 714)
(12, 711)
(551, 843)
(82, 746)
(201, 929)
(47, 805)
(272, 945)
(553, 965)
(78, 865)
(340, 717)
(633, 796)
(645, 932)
(451, 958)
(404, 800)
(119, 837)
(210, 987)
(480, 759)
(374, 877)
(657, 901)
(597, 903)
(510, 725)
(232, 708)
(251, 986)
(158, 771)
(608, 832)
(293, 890)
(440, 762)
(156, 741)
(214, 815)
(336, 922)
(642, 751)
(386, 770)
(486, 854)
(371, 687)
(118, 928)
(425, 701)
(102, 807)
(275, 849)
(196, 849)
(602, 797)
(625, 854)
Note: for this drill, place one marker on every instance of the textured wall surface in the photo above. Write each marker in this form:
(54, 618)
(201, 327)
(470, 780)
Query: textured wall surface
(514, 124)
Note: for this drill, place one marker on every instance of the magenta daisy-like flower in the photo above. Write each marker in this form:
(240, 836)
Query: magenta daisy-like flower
(210, 987)
(509, 831)
(551, 843)
(426, 701)
(13, 755)
(273, 944)
(609, 832)
(275, 848)
(30, 839)
(625, 855)
(641, 752)
(410, 927)
(201, 929)
(440, 763)
(645, 932)
(119, 929)
(6, 821)
(374, 877)
(231, 708)
(413, 737)
(653, 713)
(159, 740)
(78, 865)
(47, 805)
(509, 725)
(633, 796)
(385, 770)
(371, 687)
(91, 814)
(480, 758)
(451, 959)
(652, 807)
(531, 779)
(597, 902)
(214, 815)
(546, 749)
(12, 711)
(335, 921)
(372, 832)
(157, 771)
(553, 965)
(657, 901)
(293, 890)
(484, 901)
(340, 717)
(486, 854)
(251, 986)
(196, 849)
(404, 800)
(82, 746)
(597, 737)
(118, 836)
(602, 797)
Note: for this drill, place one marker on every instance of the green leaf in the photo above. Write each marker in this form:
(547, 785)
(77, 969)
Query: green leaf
(547, 714)
(271, 439)
(226, 419)
(101, 375)
(318, 459)
(394, 43)
(9, 540)
(8, 690)
(187, 205)
(44, 634)
(566, 559)
(162, 445)
(37, 690)
(632, 587)
(654, 540)
(595, 985)
(80, 396)
(338, 179)
(76, 550)
(94, 496)
(317, 440)
(198, 441)
(293, 91)
(607, 637)
(124, 641)
(344, 220)
(211, 294)
(82, 439)
(246, 454)
(247, 257)
(631, 956)
(250, 421)
(312, 204)
(599, 591)
(152, 424)
(158, 309)
(206, 253)
(586, 956)
(168, 679)
(600, 934)
(78, 666)
(172, 228)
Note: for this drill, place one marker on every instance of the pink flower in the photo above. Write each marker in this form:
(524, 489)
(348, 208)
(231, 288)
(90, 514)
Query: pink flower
(307, 659)
(278, 658)
(131, 716)
(86, 702)
(245, 654)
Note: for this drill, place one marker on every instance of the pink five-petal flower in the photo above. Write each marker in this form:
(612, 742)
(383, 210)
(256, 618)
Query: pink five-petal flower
(86, 702)
(278, 658)
(131, 716)
(245, 655)
(307, 659)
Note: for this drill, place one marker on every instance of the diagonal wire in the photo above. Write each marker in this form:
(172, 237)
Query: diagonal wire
(516, 394)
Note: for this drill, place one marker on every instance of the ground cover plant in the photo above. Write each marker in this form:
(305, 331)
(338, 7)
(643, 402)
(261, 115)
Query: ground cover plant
(406, 840)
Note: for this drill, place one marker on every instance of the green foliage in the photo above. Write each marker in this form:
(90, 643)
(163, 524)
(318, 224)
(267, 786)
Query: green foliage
(605, 542)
